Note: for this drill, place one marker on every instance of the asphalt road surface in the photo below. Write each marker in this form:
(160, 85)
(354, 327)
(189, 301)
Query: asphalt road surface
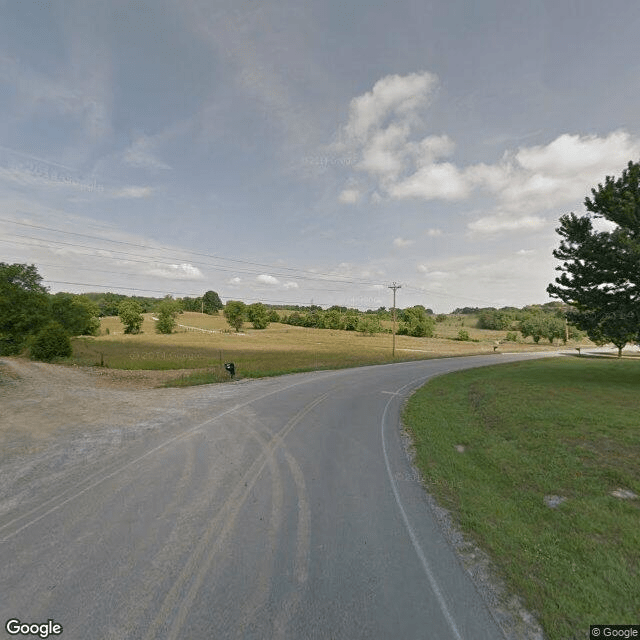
(275, 508)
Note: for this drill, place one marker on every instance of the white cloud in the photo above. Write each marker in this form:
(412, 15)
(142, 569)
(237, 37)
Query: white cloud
(498, 224)
(431, 148)
(434, 233)
(437, 275)
(394, 95)
(383, 132)
(132, 192)
(184, 271)
(349, 196)
(267, 279)
(383, 154)
(436, 181)
(401, 242)
(235, 281)
(290, 285)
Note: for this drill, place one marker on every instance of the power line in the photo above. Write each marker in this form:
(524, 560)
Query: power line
(277, 269)
(296, 270)
(129, 257)
(180, 294)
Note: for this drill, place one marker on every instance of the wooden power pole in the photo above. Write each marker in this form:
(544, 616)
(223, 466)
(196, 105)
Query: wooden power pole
(395, 287)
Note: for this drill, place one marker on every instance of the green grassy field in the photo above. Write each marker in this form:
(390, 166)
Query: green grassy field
(278, 349)
(492, 443)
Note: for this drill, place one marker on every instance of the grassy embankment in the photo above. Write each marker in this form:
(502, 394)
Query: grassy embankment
(276, 350)
(566, 427)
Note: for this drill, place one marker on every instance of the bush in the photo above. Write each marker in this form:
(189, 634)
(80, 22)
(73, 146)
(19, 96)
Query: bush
(52, 341)
(512, 336)
(463, 335)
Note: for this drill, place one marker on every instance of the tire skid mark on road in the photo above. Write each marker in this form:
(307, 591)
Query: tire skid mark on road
(48, 566)
(119, 468)
(199, 563)
(256, 600)
(303, 549)
(138, 600)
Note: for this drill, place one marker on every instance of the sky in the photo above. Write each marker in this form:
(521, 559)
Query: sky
(315, 152)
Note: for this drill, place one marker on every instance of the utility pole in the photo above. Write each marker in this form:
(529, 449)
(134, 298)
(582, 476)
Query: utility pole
(395, 287)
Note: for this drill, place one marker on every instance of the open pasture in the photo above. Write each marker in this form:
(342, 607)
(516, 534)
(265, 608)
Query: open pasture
(203, 343)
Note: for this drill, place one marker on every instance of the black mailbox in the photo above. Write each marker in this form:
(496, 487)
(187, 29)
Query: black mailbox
(231, 368)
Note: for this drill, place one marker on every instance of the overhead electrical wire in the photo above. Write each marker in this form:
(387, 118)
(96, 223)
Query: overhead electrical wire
(301, 274)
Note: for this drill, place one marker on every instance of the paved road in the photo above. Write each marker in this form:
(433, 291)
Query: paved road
(276, 508)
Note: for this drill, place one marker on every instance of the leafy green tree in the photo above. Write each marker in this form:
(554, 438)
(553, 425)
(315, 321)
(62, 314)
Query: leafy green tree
(211, 302)
(257, 315)
(167, 312)
(130, 312)
(351, 320)
(369, 325)
(77, 314)
(24, 305)
(191, 304)
(273, 316)
(333, 319)
(315, 319)
(496, 320)
(234, 312)
(52, 341)
(108, 303)
(600, 271)
(533, 325)
(415, 322)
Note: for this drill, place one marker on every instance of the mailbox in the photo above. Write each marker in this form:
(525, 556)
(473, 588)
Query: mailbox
(231, 368)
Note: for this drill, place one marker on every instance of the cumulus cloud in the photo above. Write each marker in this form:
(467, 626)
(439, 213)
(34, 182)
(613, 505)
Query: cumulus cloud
(437, 275)
(290, 285)
(235, 281)
(442, 181)
(434, 233)
(498, 224)
(401, 242)
(392, 96)
(385, 133)
(184, 271)
(267, 279)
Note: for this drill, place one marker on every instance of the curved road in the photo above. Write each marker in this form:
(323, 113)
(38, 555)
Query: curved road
(275, 508)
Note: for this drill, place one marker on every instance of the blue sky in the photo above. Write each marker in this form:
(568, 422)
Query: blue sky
(294, 152)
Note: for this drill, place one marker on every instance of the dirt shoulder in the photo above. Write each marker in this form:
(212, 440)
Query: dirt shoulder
(40, 401)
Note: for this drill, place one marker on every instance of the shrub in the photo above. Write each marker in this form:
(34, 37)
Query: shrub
(52, 341)
(463, 335)
(512, 336)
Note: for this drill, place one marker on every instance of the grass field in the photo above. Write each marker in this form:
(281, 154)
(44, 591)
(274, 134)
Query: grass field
(492, 443)
(278, 349)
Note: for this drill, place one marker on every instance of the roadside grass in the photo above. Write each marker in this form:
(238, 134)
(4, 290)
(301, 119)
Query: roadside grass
(564, 427)
(276, 350)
